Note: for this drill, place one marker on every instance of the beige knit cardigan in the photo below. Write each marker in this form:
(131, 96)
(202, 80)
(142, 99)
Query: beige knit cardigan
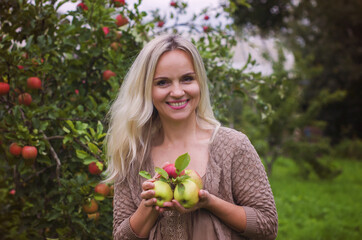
(234, 173)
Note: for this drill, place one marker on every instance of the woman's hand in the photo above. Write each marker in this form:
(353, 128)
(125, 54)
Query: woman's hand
(204, 201)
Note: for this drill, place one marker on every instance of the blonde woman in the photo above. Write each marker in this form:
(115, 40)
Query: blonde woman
(163, 110)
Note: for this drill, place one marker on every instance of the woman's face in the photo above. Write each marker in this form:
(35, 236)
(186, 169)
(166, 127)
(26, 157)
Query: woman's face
(175, 89)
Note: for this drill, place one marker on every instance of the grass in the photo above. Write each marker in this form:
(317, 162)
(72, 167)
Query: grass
(318, 209)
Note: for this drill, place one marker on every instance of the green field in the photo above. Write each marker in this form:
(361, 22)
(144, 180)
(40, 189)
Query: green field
(318, 209)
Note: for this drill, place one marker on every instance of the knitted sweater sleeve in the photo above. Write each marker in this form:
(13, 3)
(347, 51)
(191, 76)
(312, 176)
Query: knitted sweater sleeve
(251, 189)
(123, 209)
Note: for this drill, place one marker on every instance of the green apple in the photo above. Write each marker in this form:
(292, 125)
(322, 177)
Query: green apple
(188, 195)
(195, 177)
(163, 192)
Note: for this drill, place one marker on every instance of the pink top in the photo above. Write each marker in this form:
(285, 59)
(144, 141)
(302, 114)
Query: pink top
(234, 174)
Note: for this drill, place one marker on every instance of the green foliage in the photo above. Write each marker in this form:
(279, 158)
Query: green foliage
(348, 148)
(318, 209)
(69, 52)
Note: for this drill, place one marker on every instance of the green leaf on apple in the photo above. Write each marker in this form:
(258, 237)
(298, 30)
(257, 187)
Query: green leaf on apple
(181, 188)
(162, 172)
(182, 162)
(182, 178)
(145, 174)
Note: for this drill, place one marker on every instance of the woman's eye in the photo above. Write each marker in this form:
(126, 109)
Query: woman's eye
(161, 82)
(188, 78)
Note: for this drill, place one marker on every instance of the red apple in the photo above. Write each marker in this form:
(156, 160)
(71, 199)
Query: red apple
(15, 149)
(171, 170)
(12, 192)
(105, 30)
(160, 24)
(107, 74)
(205, 28)
(173, 4)
(29, 152)
(206, 17)
(4, 88)
(118, 35)
(121, 20)
(20, 67)
(115, 46)
(102, 189)
(34, 83)
(90, 207)
(94, 169)
(25, 99)
(94, 216)
(83, 6)
(119, 3)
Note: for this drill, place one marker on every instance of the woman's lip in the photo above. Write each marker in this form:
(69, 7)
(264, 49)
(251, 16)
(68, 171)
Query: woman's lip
(178, 104)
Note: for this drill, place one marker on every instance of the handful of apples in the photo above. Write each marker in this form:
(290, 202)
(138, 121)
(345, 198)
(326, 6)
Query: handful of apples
(174, 182)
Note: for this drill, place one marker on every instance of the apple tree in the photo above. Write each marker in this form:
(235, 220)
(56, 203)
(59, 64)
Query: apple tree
(59, 73)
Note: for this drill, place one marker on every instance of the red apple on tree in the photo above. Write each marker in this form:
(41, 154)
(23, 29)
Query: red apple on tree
(29, 152)
(15, 149)
(95, 168)
(93, 216)
(115, 46)
(90, 206)
(82, 6)
(119, 3)
(102, 189)
(34, 83)
(4, 88)
(105, 30)
(12, 192)
(20, 67)
(206, 17)
(160, 24)
(25, 99)
(173, 4)
(205, 28)
(121, 20)
(107, 74)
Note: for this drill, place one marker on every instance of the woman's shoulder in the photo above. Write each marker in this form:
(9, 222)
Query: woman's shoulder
(229, 135)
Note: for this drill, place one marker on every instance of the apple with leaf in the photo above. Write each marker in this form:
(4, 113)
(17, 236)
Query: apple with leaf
(174, 182)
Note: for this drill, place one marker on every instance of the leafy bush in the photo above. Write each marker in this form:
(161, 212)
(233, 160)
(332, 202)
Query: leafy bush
(348, 148)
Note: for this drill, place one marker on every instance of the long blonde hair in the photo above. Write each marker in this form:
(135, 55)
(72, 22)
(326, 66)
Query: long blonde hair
(132, 118)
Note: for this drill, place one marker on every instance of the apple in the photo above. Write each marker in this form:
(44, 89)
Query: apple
(34, 83)
(171, 170)
(91, 206)
(107, 74)
(189, 197)
(160, 24)
(195, 177)
(205, 28)
(173, 4)
(15, 149)
(4, 88)
(93, 216)
(105, 30)
(102, 189)
(121, 20)
(20, 67)
(119, 3)
(206, 17)
(163, 192)
(83, 6)
(25, 99)
(29, 152)
(94, 169)
(111, 190)
(12, 192)
(115, 46)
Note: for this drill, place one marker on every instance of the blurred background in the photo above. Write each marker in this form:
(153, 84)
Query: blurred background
(287, 73)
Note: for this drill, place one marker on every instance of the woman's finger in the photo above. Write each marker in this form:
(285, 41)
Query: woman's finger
(150, 202)
(148, 194)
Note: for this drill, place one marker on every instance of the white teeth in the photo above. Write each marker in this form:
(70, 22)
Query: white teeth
(177, 104)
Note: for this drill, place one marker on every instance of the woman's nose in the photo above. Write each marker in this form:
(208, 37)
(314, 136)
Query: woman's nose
(177, 91)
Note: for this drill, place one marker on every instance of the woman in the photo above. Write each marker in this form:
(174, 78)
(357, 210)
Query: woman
(162, 111)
